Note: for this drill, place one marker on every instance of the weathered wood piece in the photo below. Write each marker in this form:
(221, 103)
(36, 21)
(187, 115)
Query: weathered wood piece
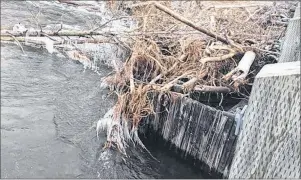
(243, 67)
(291, 46)
(199, 131)
(269, 144)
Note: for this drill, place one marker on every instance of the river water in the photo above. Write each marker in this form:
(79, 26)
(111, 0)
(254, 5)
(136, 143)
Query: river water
(49, 105)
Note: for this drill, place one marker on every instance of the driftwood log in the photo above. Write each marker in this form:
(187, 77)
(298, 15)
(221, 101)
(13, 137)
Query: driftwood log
(241, 71)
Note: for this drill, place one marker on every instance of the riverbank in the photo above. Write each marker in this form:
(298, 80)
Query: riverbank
(49, 106)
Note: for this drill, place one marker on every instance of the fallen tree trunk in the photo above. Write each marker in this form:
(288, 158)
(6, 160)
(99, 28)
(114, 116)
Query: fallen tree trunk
(51, 33)
(60, 41)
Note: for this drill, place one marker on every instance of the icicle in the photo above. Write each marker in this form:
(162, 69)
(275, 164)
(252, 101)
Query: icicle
(126, 132)
(137, 140)
(105, 122)
(104, 84)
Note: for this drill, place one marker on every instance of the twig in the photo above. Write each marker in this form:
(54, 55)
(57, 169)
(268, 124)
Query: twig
(113, 19)
(158, 63)
(35, 17)
(174, 81)
(19, 44)
(153, 81)
(189, 85)
(57, 32)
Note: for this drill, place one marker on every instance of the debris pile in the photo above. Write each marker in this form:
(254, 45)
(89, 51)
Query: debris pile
(176, 48)
(172, 55)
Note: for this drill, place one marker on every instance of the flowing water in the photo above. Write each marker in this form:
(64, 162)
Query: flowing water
(49, 105)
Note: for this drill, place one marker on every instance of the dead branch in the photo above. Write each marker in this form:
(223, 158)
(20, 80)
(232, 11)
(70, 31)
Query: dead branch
(174, 81)
(153, 81)
(218, 58)
(189, 23)
(204, 88)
